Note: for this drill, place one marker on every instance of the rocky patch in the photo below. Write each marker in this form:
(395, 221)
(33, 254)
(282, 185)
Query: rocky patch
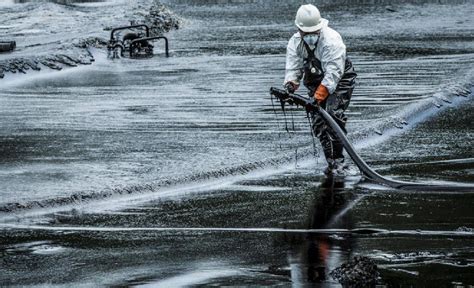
(358, 272)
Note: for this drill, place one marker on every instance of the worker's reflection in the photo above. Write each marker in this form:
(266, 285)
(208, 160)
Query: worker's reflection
(316, 253)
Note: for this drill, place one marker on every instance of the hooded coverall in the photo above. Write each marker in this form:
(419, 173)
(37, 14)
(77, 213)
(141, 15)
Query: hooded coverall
(325, 63)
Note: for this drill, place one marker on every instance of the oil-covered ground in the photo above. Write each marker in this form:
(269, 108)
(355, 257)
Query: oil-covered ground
(172, 172)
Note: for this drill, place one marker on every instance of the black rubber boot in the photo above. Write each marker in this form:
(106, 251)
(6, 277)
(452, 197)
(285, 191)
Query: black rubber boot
(337, 147)
(338, 150)
(334, 153)
(327, 144)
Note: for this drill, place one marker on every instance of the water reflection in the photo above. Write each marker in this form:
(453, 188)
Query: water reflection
(312, 256)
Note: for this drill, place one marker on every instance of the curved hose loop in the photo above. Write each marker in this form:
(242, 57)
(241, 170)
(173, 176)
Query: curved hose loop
(364, 168)
(371, 174)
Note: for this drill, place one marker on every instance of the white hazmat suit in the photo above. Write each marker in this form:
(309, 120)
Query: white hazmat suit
(330, 50)
(323, 64)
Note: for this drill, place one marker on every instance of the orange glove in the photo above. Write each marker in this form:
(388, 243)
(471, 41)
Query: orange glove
(321, 93)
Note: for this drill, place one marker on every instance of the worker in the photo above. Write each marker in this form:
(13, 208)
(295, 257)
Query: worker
(316, 54)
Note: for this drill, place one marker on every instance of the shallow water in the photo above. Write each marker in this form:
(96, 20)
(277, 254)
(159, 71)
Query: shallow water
(176, 171)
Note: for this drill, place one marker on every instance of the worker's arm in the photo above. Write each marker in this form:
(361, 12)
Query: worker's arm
(294, 62)
(333, 58)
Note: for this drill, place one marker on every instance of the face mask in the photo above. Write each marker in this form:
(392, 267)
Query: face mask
(311, 39)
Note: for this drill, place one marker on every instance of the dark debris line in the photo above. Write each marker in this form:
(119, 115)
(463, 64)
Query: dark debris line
(55, 62)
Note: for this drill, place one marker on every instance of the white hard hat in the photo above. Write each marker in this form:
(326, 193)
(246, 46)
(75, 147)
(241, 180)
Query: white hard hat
(308, 18)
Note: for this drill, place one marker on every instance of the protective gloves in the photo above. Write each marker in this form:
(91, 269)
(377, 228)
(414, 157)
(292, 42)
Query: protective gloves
(291, 87)
(321, 93)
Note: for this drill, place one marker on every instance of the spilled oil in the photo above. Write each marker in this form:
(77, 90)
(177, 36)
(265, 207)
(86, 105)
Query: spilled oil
(175, 171)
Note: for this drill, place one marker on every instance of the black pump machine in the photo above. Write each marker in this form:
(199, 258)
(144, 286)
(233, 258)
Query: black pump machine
(133, 44)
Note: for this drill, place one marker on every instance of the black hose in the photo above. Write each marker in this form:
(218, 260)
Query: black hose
(364, 168)
(374, 176)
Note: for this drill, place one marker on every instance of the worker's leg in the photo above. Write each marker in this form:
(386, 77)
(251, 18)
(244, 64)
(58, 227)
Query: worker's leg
(327, 139)
(336, 104)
